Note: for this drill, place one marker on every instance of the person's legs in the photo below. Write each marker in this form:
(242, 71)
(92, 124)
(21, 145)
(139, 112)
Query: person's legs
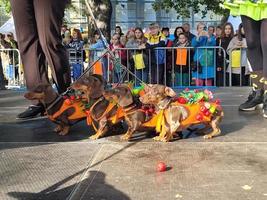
(209, 82)
(264, 52)
(31, 53)
(199, 82)
(49, 15)
(178, 79)
(161, 74)
(255, 55)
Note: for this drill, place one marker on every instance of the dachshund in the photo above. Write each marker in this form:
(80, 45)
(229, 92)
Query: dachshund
(64, 112)
(179, 116)
(102, 114)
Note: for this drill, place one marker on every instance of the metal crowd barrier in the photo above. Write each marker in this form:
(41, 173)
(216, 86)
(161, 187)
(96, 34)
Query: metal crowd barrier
(172, 71)
(12, 67)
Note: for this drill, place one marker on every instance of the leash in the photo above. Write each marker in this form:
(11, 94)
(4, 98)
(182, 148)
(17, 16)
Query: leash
(107, 51)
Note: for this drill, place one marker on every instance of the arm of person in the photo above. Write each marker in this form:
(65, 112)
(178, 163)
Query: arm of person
(211, 41)
(198, 41)
(97, 45)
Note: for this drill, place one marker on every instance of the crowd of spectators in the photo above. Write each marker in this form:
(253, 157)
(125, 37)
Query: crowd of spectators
(8, 58)
(156, 55)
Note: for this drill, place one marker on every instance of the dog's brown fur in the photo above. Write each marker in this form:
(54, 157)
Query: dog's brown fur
(70, 113)
(133, 115)
(176, 114)
(93, 86)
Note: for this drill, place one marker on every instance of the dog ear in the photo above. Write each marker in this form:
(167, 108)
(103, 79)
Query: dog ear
(148, 87)
(170, 92)
(34, 95)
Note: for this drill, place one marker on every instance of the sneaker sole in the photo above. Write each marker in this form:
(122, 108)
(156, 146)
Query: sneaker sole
(31, 118)
(253, 108)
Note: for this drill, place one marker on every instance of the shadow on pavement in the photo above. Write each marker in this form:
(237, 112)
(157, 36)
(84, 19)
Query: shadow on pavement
(94, 187)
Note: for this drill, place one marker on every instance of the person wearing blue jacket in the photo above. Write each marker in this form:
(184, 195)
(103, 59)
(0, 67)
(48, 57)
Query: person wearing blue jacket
(204, 63)
(98, 49)
(155, 39)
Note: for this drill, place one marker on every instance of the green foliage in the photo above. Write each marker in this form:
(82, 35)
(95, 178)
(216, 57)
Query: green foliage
(6, 5)
(183, 7)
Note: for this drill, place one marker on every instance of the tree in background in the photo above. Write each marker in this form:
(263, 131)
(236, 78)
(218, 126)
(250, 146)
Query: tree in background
(6, 5)
(184, 8)
(102, 10)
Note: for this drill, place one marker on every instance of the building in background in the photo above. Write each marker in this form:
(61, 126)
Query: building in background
(129, 13)
(133, 13)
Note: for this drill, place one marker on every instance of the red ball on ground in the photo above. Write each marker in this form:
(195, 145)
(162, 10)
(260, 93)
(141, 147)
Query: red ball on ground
(161, 167)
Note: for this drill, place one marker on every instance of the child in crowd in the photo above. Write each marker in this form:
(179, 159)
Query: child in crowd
(218, 32)
(182, 55)
(139, 55)
(238, 67)
(120, 58)
(97, 50)
(176, 34)
(204, 63)
(223, 42)
(158, 56)
(76, 40)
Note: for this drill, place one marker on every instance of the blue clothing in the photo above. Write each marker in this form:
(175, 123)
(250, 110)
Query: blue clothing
(98, 45)
(76, 44)
(205, 57)
(98, 52)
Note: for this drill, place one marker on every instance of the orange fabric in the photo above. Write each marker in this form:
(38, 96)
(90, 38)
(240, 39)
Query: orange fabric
(141, 93)
(194, 110)
(118, 116)
(89, 120)
(181, 57)
(152, 122)
(78, 114)
(98, 68)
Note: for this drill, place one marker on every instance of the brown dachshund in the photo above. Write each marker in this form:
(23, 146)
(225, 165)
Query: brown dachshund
(91, 86)
(178, 116)
(102, 114)
(64, 112)
(134, 116)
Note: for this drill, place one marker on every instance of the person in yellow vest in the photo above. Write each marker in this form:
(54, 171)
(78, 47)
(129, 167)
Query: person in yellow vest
(254, 19)
(155, 39)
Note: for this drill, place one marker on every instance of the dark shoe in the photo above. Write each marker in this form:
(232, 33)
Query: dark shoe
(265, 106)
(32, 112)
(255, 99)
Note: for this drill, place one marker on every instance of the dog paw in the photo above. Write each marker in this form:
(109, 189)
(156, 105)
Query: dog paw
(94, 137)
(207, 136)
(57, 129)
(125, 137)
(157, 138)
(63, 133)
